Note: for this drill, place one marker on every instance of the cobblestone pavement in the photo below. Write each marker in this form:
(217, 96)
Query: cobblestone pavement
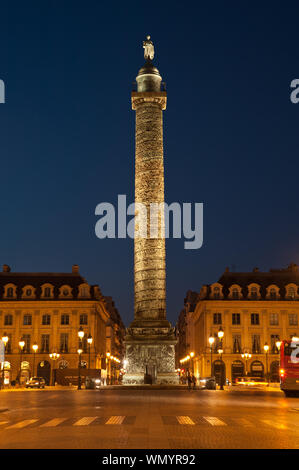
(158, 419)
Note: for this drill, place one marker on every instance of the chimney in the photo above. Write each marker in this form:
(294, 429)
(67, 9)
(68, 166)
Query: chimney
(6, 268)
(75, 269)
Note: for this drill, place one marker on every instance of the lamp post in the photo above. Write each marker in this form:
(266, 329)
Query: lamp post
(220, 336)
(89, 340)
(246, 356)
(266, 349)
(54, 356)
(108, 360)
(5, 341)
(79, 369)
(21, 346)
(80, 351)
(278, 344)
(211, 341)
(35, 348)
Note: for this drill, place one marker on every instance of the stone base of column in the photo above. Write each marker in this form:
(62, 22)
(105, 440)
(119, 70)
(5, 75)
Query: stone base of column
(150, 356)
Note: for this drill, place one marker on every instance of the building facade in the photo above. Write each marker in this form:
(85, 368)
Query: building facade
(44, 312)
(252, 309)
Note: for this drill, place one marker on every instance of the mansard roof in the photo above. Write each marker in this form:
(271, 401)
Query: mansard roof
(38, 279)
(277, 277)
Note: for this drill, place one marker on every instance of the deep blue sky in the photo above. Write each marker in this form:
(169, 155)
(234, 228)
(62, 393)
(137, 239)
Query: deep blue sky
(67, 134)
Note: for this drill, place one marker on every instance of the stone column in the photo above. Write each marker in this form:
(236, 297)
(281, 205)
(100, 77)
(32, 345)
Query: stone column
(149, 253)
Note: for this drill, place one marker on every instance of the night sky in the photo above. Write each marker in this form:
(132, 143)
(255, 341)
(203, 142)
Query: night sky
(67, 135)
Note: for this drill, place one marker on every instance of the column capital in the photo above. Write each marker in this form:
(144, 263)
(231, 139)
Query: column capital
(138, 98)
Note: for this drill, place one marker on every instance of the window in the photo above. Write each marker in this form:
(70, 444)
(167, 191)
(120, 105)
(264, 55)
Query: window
(273, 319)
(273, 294)
(235, 293)
(253, 293)
(256, 344)
(47, 292)
(9, 292)
(26, 339)
(28, 292)
(64, 342)
(83, 319)
(65, 319)
(237, 344)
(293, 319)
(216, 292)
(217, 319)
(8, 320)
(45, 347)
(255, 319)
(274, 349)
(65, 292)
(236, 318)
(46, 319)
(27, 320)
(292, 292)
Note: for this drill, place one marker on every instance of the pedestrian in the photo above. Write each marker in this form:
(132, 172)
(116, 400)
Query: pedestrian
(189, 379)
(194, 382)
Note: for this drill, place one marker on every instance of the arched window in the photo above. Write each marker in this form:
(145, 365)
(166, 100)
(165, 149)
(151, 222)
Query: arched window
(235, 293)
(253, 293)
(273, 294)
(9, 292)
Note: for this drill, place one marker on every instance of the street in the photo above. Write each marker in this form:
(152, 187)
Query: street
(148, 419)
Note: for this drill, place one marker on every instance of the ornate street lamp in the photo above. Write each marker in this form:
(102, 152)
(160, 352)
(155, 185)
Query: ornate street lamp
(211, 341)
(53, 356)
(21, 346)
(220, 336)
(79, 368)
(109, 365)
(278, 344)
(35, 348)
(89, 340)
(246, 356)
(266, 349)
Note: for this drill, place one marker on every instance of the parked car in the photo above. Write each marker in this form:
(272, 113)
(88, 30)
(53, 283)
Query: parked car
(208, 383)
(36, 382)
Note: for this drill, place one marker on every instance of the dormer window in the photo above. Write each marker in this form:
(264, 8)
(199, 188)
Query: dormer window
(10, 291)
(84, 291)
(28, 292)
(216, 291)
(47, 291)
(272, 292)
(253, 291)
(235, 292)
(65, 292)
(291, 292)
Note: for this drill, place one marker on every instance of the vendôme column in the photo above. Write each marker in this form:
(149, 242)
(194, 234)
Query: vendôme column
(150, 338)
